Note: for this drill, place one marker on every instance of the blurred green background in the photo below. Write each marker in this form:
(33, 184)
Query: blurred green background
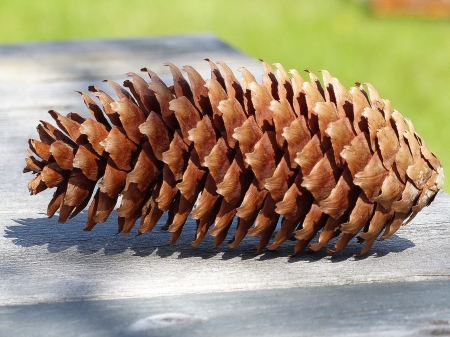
(407, 59)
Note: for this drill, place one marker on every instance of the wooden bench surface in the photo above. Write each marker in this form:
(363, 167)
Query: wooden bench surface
(47, 267)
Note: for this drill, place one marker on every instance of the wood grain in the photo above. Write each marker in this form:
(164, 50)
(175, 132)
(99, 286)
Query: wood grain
(397, 309)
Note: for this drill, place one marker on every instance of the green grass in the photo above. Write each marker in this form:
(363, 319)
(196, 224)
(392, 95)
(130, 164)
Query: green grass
(406, 59)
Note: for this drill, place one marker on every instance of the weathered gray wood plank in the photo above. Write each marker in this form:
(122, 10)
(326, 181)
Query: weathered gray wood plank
(399, 309)
(43, 261)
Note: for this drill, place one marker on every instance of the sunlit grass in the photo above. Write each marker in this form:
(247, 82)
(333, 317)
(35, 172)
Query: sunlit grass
(406, 59)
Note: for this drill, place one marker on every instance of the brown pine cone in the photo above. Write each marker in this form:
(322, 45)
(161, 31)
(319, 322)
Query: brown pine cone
(321, 157)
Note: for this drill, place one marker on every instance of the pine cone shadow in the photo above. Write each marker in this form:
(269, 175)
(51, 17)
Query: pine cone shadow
(33, 232)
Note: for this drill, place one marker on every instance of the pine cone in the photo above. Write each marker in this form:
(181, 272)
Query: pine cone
(321, 157)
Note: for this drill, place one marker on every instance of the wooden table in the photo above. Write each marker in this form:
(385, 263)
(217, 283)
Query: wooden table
(57, 280)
